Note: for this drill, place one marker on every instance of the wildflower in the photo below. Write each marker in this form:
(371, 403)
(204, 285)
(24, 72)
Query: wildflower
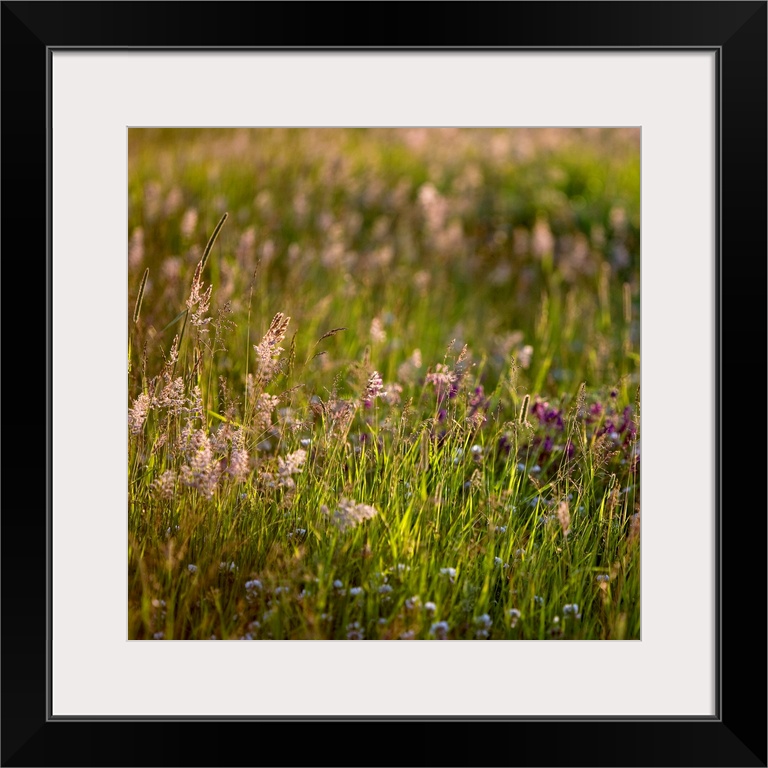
(355, 591)
(538, 599)
(165, 485)
(408, 635)
(355, 631)
(199, 298)
(373, 389)
(439, 630)
(171, 397)
(350, 514)
(442, 377)
(158, 636)
(434, 207)
(202, 469)
(338, 584)
(572, 609)
(514, 617)
(385, 589)
(430, 608)
(543, 241)
(602, 577)
(407, 370)
(192, 568)
(188, 223)
(265, 404)
(524, 356)
(412, 602)
(393, 394)
(291, 465)
(136, 247)
(239, 460)
(449, 572)
(267, 350)
(378, 334)
(484, 624)
(477, 450)
(137, 415)
(246, 245)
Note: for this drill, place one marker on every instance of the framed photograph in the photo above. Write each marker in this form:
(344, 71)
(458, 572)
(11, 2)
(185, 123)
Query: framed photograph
(352, 342)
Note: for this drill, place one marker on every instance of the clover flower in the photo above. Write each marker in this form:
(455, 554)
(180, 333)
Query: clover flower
(483, 623)
(449, 572)
(355, 631)
(439, 630)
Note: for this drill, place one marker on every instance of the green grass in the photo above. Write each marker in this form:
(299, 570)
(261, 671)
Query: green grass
(436, 331)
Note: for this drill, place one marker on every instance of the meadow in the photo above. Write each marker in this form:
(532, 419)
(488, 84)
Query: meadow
(383, 384)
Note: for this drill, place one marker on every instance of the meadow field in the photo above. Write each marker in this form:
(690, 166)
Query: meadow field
(384, 383)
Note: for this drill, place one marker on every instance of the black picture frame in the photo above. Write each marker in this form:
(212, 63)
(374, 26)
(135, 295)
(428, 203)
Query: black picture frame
(736, 736)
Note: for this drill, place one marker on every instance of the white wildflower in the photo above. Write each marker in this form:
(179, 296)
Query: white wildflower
(449, 572)
(350, 514)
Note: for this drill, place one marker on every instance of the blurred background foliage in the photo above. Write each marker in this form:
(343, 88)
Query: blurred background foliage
(492, 237)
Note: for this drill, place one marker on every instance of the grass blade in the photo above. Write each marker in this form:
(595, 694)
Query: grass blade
(212, 240)
(175, 320)
(137, 308)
